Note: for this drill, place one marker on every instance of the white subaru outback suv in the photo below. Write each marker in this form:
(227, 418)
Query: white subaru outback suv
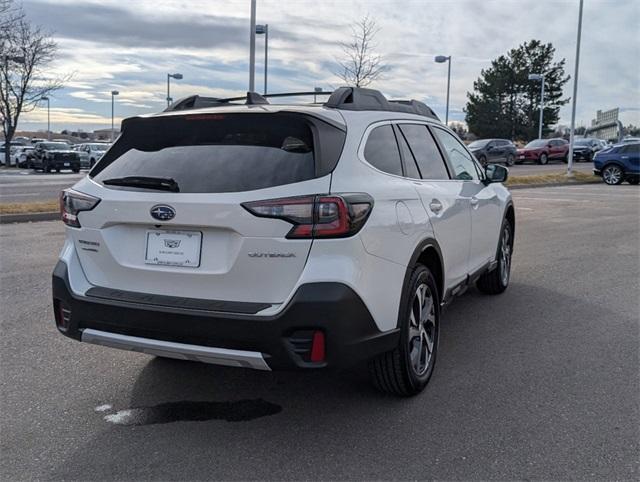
(282, 236)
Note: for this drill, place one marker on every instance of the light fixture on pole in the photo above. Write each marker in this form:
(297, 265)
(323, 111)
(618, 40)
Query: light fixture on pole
(575, 94)
(48, 117)
(252, 47)
(540, 78)
(264, 29)
(442, 59)
(169, 77)
(113, 97)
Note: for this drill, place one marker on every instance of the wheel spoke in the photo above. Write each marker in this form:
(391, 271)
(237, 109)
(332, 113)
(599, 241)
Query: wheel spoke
(427, 308)
(429, 340)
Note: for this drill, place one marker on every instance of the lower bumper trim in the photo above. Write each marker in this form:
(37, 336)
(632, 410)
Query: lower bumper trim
(182, 351)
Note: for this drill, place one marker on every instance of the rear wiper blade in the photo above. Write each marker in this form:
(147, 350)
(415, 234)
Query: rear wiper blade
(159, 183)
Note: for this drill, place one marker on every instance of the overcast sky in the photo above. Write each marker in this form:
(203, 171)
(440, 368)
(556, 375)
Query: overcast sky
(130, 47)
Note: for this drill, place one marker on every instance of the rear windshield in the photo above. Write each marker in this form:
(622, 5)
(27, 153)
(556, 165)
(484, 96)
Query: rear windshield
(537, 143)
(214, 153)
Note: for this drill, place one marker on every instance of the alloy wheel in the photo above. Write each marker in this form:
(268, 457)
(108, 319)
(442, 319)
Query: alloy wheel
(612, 175)
(505, 256)
(422, 329)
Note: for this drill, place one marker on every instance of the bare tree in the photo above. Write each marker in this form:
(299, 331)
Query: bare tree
(360, 65)
(25, 51)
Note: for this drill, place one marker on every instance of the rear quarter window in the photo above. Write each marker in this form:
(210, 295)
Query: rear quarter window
(381, 150)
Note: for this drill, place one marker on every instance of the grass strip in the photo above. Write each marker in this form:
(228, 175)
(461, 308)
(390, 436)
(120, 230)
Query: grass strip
(552, 178)
(31, 207)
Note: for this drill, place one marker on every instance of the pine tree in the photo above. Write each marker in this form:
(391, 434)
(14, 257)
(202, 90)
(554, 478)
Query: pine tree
(505, 103)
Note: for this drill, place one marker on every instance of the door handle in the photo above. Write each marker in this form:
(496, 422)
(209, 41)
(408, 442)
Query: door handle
(474, 201)
(435, 206)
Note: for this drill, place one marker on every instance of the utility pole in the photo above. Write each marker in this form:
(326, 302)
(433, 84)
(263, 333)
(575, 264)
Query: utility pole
(575, 94)
(113, 97)
(252, 48)
(266, 54)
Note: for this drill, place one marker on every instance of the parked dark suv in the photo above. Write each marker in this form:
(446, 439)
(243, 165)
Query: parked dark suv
(494, 150)
(48, 156)
(618, 164)
(585, 148)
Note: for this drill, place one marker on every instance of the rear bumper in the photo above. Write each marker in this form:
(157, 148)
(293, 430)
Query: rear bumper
(282, 341)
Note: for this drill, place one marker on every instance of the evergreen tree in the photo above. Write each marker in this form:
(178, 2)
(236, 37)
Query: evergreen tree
(505, 103)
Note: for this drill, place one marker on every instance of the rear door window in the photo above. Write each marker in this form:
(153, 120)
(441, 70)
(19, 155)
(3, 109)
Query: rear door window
(216, 153)
(381, 150)
(425, 151)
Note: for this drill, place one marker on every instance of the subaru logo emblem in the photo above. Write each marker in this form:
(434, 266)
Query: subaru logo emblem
(162, 212)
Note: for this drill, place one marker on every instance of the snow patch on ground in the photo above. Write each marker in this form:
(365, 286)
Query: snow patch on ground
(122, 417)
(103, 408)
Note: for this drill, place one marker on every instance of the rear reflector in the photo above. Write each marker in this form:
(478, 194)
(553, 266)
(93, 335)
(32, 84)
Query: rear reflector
(62, 314)
(319, 216)
(317, 347)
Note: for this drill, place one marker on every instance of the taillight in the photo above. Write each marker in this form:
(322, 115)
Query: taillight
(72, 202)
(319, 216)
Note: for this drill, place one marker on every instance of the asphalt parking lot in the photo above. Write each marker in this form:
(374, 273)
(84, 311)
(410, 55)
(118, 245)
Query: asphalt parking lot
(24, 185)
(538, 383)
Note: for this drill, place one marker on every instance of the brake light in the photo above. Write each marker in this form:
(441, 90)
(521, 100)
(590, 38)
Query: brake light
(319, 216)
(73, 202)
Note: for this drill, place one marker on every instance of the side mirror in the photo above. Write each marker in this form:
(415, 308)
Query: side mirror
(496, 173)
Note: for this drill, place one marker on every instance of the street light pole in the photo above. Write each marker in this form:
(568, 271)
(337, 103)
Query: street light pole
(575, 94)
(266, 54)
(113, 96)
(169, 77)
(48, 117)
(264, 29)
(441, 59)
(540, 77)
(252, 47)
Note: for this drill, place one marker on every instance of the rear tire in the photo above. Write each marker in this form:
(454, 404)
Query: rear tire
(406, 370)
(511, 160)
(496, 281)
(634, 181)
(612, 174)
(543, 159)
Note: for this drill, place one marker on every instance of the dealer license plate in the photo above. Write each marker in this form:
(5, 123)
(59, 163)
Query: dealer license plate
(174, 248)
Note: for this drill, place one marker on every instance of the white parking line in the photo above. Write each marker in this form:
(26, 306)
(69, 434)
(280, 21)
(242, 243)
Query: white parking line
(562, 200)
(21, 194)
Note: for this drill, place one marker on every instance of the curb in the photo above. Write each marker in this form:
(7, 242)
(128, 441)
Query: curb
(552, 184)
(29, 217)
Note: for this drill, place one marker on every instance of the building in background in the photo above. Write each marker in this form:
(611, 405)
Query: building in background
(606, 126)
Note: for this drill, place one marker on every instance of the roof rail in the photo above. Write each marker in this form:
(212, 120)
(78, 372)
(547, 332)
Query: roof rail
(345, 98)
(251, 98)
(358, 98)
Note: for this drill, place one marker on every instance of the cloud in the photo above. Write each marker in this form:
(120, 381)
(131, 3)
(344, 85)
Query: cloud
(130, 47)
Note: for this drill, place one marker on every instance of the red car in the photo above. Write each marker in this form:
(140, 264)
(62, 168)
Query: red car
(544, 150)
